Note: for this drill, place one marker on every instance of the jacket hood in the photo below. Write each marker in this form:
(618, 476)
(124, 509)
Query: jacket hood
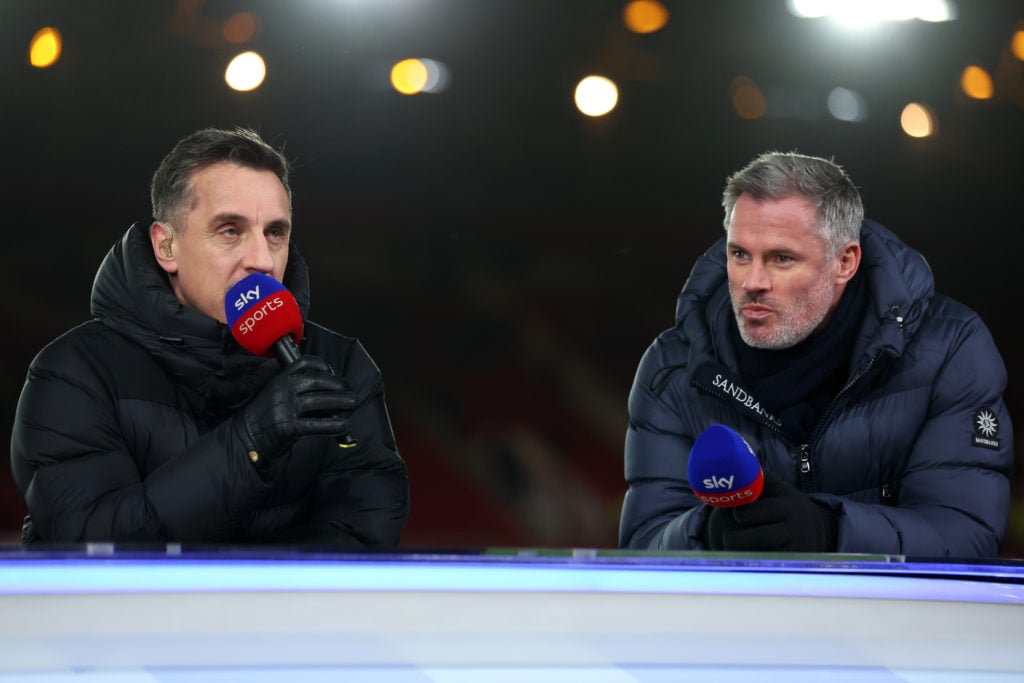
(132, 295)
(900, 284)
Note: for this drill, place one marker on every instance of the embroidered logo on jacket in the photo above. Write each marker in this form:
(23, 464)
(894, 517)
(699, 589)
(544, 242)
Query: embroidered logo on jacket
(986, 429)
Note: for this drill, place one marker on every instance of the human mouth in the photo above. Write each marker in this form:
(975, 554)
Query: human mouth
(756, 311)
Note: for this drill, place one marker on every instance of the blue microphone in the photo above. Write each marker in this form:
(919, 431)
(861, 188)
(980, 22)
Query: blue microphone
(723, 470)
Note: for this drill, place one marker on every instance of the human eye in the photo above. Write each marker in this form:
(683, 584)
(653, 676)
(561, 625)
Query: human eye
(277, 233)
(739, 254)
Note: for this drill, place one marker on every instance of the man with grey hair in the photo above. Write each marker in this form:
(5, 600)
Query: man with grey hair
(873, 403)
(150, 424)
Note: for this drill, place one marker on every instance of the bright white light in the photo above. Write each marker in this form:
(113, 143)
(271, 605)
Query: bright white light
(936, 10)
(863, 12)
(847, 105)
(245, 72)
(596, 96)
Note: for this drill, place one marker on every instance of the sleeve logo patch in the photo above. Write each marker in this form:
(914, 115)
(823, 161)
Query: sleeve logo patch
(986, 429)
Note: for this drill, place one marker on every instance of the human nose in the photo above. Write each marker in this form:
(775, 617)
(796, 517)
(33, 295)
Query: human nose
(757, 278)
(257, 255)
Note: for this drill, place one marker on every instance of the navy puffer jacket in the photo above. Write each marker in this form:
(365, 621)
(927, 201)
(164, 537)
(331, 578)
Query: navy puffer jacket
(914, 454)
(123, 429)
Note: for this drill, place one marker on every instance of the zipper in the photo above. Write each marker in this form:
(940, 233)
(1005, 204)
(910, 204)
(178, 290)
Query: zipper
(805, 477)
(805, 459)
(806, 480)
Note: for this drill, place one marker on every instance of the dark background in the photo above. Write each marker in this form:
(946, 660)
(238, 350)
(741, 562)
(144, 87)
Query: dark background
(505, 259)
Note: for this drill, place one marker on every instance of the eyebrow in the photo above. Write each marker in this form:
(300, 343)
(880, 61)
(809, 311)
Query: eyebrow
(282, 223)
(774, 251)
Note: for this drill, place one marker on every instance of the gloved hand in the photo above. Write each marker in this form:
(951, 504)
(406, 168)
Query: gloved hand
(304, 399)
(782, 519)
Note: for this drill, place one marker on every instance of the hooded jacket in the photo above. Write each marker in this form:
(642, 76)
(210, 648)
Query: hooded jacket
(123, 431)
(913, 454)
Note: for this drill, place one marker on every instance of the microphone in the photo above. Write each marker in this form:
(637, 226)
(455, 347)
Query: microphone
(265, 320)
(723, 470)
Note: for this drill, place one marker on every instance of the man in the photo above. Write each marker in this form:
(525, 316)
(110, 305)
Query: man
(873, 403)
(150, 424)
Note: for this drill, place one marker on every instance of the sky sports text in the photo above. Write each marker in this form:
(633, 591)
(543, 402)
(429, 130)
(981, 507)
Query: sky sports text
(256, 315)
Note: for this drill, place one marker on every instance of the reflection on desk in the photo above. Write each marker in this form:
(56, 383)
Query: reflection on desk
(162, 613)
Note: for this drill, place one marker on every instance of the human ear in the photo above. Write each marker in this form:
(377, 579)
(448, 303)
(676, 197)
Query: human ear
(161, 236)
(847, 262)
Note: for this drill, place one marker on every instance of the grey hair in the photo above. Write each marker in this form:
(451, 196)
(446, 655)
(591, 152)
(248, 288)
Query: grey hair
(822, 182)
(171, 187)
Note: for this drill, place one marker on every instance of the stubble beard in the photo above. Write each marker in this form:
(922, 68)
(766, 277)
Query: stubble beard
(789, 325)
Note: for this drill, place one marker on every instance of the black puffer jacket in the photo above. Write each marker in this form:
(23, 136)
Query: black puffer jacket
(122, 431)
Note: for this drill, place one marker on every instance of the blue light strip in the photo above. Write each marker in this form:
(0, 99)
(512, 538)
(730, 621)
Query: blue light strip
(63, 576)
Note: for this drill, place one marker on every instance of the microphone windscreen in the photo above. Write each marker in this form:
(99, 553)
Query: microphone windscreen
(259, 311)
(723, 470)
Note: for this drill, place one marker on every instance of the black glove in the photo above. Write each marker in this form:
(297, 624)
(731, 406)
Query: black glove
(782, 519)
(304, 399)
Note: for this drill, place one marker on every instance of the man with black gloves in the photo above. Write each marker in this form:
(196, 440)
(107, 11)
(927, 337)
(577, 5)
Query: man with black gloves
(873, 403)
(782, 519)
(150, 424)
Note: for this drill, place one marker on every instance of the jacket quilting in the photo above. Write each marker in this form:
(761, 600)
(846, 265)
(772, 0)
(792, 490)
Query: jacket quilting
(125, 430)
(914, 453)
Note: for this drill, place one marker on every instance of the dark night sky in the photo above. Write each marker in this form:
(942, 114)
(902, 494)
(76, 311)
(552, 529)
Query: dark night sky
(505, 259)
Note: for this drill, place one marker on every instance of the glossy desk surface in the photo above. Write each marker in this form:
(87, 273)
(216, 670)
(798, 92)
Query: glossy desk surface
(100, 612)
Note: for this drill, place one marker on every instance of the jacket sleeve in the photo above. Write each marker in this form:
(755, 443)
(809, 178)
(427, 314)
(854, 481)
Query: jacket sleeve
(80, 480)
(659, 510)
(954, 492)
(361, 495)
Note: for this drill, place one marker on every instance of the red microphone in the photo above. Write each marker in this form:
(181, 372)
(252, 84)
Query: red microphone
(265, 320)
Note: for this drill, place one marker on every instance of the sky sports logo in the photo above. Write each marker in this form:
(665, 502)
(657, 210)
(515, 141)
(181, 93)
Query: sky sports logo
(246, 325)
(260, 312)
(728, 498)
(245, 297)
(717, 490)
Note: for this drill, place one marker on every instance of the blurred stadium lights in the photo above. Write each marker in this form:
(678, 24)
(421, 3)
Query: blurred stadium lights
(783, 102)
(1017, 44)
(413, 76)
(918, 120)
(747, 98)
(866, 12)
(438, 75)
(44, 48)
(644, 16)
(847, 105)
(240, 27)
(596, 95)
(976, 83)
(245, 72)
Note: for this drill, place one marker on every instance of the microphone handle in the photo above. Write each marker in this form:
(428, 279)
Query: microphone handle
(287, 352)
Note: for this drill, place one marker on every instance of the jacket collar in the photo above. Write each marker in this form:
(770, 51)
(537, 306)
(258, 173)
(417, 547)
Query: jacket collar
(131, 294)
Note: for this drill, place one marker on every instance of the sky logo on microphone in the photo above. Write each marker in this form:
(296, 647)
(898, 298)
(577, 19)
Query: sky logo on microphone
(260, 310)
(723, 469)
(719, 482)
(245, 297)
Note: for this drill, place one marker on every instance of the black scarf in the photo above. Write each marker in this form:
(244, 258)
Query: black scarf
(799, 382)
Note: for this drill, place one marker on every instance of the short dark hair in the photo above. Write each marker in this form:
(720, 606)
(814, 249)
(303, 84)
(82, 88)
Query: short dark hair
(171, 187)
(823, 182)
